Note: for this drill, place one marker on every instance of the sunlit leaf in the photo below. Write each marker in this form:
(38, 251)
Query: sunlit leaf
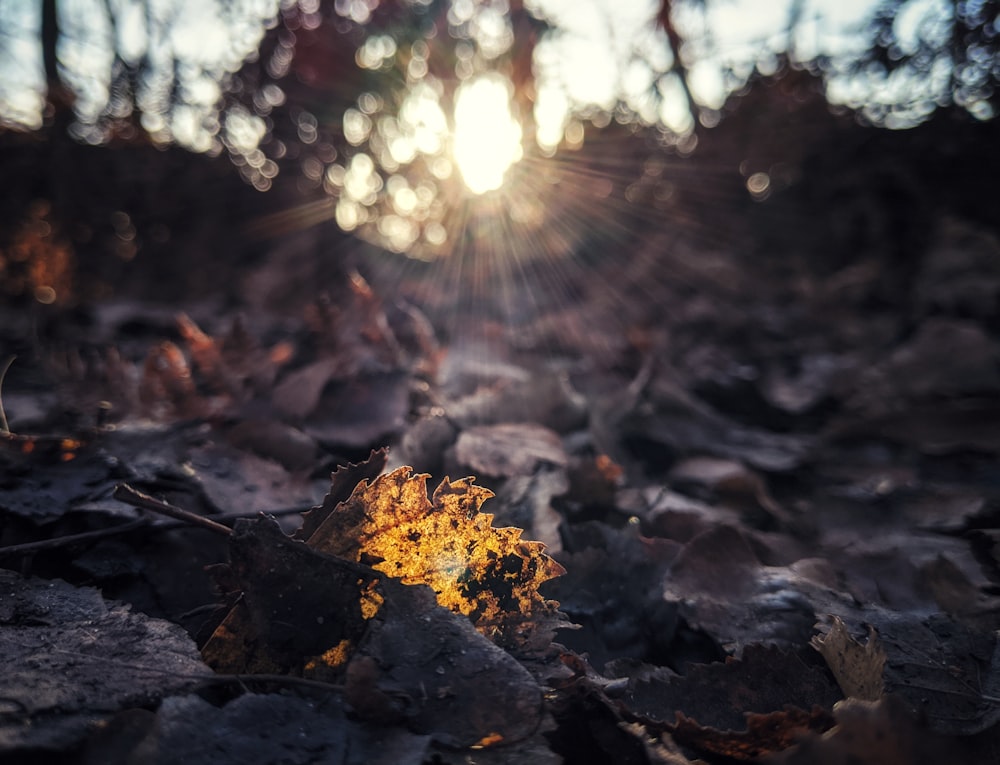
(444, 541)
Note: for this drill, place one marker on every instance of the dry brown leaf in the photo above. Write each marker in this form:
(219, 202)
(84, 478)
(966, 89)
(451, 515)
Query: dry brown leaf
(205, 353)
(509, 449)
(765, 734)
(735, 696)
(882, 732)
(858, 668)
(166, 385)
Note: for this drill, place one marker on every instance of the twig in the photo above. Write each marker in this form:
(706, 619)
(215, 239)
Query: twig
(125, 493)
(4, 427)
(175, 525)
(69, 539)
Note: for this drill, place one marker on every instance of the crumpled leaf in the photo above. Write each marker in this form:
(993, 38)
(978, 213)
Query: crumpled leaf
(731, 482)
(507, 393)
(489, 574)
(670, 418)
(166, 386)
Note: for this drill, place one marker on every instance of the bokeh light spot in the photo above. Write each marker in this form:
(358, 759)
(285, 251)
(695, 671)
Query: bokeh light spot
(487, 136)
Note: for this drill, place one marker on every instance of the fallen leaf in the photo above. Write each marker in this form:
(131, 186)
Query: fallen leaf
(858, 668)
(731, 482)
(489, 574)
(231, 478)
(404, 659)
(166, 387)
(722, 587)
(947, 672)
(526, 502)
(206, 356)
(512, 394)
(274, 440)
(342, 484)
(620, 607)
(318, 609)
(765, 734)
(293, 605)
(362, 411)
(424, 443)
(509, 449)
(944, 358)
(766, 680)
(299, 391)
(42, 485)
(874, 733)
(70, 659)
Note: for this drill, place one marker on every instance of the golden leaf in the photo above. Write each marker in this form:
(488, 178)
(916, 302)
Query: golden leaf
(489, 574)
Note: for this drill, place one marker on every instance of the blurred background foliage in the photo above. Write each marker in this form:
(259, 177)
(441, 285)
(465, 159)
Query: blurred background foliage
(581, 120)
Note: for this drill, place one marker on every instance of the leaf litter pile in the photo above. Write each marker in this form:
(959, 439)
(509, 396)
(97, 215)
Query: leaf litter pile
(760, 526)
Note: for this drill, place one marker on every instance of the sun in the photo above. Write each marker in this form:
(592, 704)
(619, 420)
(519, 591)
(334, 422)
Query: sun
(487, 138)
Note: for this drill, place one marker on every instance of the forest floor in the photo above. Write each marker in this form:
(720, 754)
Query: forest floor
(775, 496)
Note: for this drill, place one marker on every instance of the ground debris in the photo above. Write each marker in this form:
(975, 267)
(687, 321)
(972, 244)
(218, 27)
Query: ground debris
(72, 660)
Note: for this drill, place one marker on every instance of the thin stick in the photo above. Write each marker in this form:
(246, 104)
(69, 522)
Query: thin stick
(125, 493)
(69, 539)
(4, 427)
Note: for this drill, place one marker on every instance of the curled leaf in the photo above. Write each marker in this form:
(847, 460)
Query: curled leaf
(857, 667)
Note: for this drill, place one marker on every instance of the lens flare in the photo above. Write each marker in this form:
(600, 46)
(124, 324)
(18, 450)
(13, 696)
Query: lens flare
(487, 137)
